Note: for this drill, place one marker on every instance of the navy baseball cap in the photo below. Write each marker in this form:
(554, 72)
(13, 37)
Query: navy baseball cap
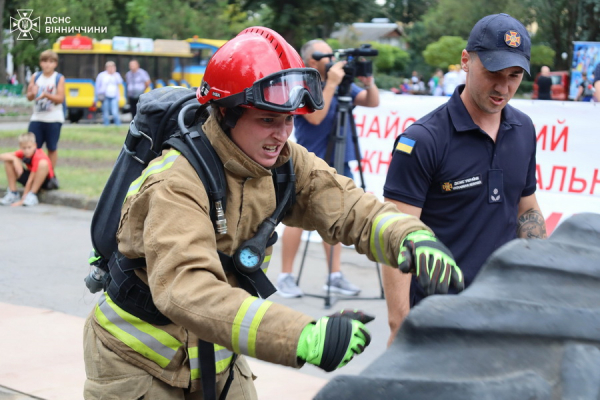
(500, 42)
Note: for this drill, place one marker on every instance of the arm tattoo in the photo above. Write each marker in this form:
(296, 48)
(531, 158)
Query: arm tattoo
(531, 225)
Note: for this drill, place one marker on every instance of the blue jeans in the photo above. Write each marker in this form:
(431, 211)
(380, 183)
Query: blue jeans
(110, 105)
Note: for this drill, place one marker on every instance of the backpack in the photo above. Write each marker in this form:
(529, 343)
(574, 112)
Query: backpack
(162, 120)
(58, 76)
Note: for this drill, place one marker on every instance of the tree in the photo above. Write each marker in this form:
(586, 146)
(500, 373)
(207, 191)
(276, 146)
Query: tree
(457, 17)
(181, 19)
(301, 20)
(563, 21)
(444, 52)
(542, 55)
(98, 13)
(406, 11)
(391, 59)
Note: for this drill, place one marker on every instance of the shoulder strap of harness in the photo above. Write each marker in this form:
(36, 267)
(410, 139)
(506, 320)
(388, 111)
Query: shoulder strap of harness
(211, 161)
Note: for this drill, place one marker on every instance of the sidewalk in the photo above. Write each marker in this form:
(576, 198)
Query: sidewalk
(42, 355)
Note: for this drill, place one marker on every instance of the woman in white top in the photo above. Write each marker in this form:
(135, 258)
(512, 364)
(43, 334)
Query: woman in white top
(107, 91)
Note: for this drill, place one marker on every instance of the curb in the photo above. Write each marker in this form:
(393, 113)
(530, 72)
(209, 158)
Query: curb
(60, 198)
(16, 118)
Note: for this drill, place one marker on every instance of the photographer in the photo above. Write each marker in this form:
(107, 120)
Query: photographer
(313, 131)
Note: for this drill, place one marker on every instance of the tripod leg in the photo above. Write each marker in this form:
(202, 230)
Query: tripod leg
(303, 258)
(380, 281)
(329, 269)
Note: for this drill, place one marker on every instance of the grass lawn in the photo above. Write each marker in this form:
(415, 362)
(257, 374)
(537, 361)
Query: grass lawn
(86, 155)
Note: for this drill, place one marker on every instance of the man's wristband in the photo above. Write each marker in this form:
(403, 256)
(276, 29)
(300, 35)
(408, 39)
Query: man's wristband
(369, 86)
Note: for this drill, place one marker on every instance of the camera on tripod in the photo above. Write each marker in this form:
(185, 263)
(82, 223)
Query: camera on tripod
(355, 66)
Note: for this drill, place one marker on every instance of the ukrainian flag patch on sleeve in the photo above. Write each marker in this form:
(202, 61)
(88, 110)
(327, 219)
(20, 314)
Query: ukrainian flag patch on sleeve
(405, 145)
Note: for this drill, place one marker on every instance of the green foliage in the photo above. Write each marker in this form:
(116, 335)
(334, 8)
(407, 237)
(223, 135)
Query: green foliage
(406, 11)
(526, 87)
(561, 22)
(334, 44)
(457, 17)
(445, 51)
(387, 82)
(98, 13)
(301, 20)
(181, 19)
(391, 59)
(417, 41)
(542, 55)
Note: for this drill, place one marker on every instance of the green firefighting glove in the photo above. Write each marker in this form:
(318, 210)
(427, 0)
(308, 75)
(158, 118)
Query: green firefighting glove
(433, 264)
(332, 342)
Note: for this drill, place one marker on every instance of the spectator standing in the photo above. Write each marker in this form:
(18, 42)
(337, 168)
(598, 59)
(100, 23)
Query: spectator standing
(545, 84)
(585, 90)
(450, 80)
(436, 82)
(47, 90)
(418, 86)
(313, 131)
(468, 168)
(405, 87)
(137, 81)
(107, 91)
(37, 174)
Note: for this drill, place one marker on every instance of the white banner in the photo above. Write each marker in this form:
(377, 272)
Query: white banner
(568, 148)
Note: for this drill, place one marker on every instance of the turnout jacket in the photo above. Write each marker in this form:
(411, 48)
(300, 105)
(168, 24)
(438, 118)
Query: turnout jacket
(165, 219)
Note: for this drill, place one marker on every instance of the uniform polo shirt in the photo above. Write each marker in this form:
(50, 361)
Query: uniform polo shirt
(467, 186)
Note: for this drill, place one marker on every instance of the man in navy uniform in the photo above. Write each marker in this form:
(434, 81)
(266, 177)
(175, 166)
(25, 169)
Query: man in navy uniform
(467, 169)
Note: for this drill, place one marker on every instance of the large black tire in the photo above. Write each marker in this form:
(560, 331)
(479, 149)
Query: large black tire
(74, 115)
(527, 328)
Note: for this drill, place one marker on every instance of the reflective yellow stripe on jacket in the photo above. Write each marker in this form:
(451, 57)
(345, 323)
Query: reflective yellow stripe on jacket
(154, 167)
(222, 360)
(380, 224)
(150, 341)
(245, 325)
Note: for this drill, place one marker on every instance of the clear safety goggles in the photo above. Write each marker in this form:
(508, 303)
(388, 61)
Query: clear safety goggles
(283, 91)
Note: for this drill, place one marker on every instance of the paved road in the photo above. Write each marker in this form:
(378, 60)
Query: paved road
(43, 253)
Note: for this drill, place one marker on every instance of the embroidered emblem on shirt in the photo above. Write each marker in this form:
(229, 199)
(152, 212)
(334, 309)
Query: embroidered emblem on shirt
(495, 197)
(446, 186)
(405, 145)
(461, 184)
(512, 38)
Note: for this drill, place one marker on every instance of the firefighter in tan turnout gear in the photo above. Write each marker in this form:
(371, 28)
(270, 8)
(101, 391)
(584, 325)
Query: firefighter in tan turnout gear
(254, 84)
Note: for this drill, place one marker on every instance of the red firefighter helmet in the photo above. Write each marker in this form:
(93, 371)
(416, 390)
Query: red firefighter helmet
(259, 69)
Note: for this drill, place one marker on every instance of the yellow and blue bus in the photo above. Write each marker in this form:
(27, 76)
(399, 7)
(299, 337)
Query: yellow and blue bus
(168, 62)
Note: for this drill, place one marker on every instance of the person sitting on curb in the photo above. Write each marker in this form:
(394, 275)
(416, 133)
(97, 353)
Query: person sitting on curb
(37, 174)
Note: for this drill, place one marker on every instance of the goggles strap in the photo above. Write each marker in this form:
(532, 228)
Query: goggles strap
(232, 101)
(231, 117)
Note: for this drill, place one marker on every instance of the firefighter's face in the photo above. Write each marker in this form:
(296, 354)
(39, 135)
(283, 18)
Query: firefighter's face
(262, 134)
